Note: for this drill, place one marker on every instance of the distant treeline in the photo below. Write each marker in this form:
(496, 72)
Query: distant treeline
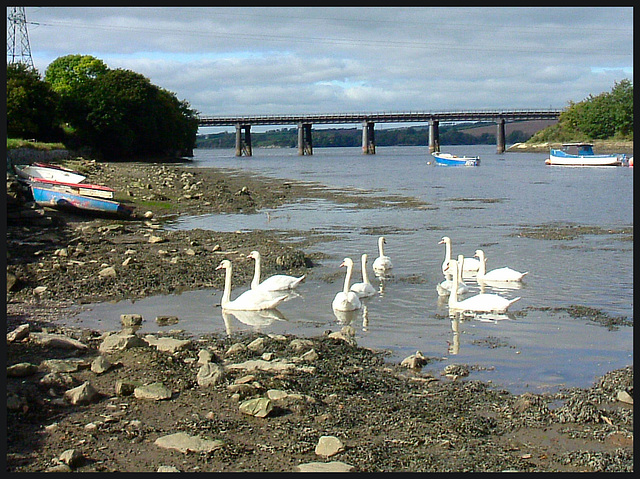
(345, 137)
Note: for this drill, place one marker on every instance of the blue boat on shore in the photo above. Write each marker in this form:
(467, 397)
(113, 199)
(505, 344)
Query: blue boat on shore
(447, 159)
(65, 200)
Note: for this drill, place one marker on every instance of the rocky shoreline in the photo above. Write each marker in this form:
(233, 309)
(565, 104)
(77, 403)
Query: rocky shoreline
(82, 400)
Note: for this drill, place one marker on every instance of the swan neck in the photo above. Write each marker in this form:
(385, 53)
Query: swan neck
(256, 275)
(347, 278)
(381, 246)
(226, 295)
(365, 276)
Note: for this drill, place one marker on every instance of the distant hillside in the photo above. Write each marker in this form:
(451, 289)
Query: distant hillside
(526, 127)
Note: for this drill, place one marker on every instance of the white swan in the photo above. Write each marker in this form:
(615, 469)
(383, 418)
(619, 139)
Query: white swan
(478, 303)
(444, 288)
(365, 288)
(250, 300)
(382, 262)
(470, 265)
(346, 300)
(499, 274)
(277, 282)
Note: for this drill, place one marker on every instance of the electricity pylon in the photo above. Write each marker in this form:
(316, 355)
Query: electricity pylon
(18, 49)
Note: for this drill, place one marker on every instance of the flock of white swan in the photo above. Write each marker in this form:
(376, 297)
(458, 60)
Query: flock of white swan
(268, 294)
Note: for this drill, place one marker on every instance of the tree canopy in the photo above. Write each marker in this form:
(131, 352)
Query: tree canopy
(31, 105)
(118, 113)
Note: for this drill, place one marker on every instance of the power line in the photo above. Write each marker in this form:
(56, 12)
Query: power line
(316, 40)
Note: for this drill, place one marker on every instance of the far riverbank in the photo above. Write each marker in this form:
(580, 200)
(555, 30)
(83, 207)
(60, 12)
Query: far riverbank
(599, 146)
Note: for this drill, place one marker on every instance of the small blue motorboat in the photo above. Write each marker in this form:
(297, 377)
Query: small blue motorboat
(447, 159)
(65, 200)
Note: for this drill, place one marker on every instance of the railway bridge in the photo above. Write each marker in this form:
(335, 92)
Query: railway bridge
(368, 120)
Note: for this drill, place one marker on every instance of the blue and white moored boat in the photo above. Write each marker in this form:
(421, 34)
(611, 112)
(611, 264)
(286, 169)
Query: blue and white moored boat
(448, 159)
(581, 154)
(65, 200)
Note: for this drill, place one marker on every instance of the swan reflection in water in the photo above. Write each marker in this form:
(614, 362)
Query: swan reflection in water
(498, 286)
(345, 318)
(255, 319)
(458, 317)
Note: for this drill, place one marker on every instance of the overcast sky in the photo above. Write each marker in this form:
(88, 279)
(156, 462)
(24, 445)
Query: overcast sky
(277, 60)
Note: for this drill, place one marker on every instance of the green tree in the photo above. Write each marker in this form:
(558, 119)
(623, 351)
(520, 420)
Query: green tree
(73, 77)
(130, 117)
(599, 117)
(31, 105)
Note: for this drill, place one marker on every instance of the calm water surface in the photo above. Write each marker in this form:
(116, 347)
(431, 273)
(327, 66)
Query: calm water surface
(482, 207)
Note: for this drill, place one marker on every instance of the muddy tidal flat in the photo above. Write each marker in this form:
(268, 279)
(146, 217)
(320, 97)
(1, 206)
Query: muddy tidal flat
(120, 401)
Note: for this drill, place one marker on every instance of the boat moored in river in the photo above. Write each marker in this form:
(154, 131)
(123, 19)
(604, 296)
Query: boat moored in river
(581, 154)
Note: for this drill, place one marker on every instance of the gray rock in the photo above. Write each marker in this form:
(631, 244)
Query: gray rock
(57, 341)
(236, 348)
(156, 392)
(120, 341)
(258, 407)
(334, 466)
(257, 345)
(415, 361)
(70, 365)
(71, 457)
(185, 443)
(299, 345)
(83, 394)
(21, 370)
(131, 319)
(624, 396)
(108, 272)
(310, 356)
(168, 469)
(100, 365)
(210, 374)
(204, 356)
(18, 334)
(329, 446)
(170, 345)
(279, 365)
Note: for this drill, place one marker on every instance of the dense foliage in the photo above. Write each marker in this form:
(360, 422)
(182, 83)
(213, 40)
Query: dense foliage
(118, 114)
(608, 115)
(352, 137)
(32, 105)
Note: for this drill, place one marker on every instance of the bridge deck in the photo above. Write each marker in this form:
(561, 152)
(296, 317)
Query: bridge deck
(383, 117)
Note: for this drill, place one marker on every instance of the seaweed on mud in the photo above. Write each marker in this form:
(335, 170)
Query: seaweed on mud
(612, 323)
(557, 231)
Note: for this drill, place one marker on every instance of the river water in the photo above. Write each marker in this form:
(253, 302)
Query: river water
(535, 348)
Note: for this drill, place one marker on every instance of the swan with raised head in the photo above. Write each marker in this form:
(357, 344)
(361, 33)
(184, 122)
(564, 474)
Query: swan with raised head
(277, 282)
(364, 289)
(498, 274)
(444, 288)
(382, 262)
(470, 265)
(346, 300)
(250, 300)
(483, 302)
